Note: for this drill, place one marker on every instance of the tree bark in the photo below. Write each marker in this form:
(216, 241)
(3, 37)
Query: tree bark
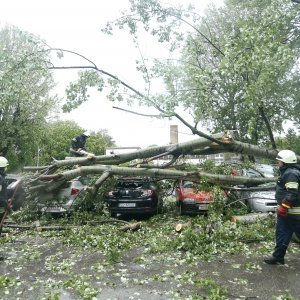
(267, 123)
(53, 176)
(132, 227)
(252, 218)
(180, 226)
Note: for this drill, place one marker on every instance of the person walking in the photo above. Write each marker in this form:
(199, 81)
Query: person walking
(288, 201)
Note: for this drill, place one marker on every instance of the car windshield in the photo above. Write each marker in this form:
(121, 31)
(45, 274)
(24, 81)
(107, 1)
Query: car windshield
(260, 171)
(253, 173)
(133, 183)
(266, 170)
(129, 185)
(188, 184)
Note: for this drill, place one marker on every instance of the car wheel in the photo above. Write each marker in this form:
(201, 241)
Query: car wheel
(112, 214)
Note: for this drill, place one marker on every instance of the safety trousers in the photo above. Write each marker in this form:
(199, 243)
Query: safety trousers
(285, 227)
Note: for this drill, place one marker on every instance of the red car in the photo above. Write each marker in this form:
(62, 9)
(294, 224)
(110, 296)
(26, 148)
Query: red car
(190, 201)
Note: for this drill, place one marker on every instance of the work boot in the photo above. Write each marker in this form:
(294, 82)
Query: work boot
(274, 260)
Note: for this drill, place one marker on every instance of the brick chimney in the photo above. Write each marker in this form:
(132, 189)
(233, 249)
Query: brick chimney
(173, 134)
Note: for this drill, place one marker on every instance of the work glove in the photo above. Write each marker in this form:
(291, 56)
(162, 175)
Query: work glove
(282, 210)
(9, 204)
(90, 156)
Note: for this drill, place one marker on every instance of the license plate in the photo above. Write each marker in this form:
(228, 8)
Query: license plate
(126, 204)
(203, 207)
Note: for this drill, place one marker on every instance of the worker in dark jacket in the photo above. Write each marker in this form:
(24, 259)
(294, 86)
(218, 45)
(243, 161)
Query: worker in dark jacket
(78, 145)
(288, 201)
(4, 204)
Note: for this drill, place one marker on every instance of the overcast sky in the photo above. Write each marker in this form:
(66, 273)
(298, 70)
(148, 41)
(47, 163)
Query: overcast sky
(75, 25)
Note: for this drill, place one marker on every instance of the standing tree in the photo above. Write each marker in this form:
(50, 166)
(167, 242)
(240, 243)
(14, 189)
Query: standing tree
(56, 141)
(25, 102)
(237, 72)
(238, 68)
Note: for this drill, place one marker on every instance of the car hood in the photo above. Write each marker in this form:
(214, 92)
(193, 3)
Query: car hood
(199, 196)
(268, 195)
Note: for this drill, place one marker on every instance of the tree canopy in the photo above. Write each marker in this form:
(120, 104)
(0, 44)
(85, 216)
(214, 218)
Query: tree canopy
(25, 100)
(57, 136)
(238, 66)
(29, 135)
(236, 69)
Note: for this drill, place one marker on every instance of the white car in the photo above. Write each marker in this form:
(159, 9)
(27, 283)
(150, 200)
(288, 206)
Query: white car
(261, 201)
(63, 201)
(264, 200)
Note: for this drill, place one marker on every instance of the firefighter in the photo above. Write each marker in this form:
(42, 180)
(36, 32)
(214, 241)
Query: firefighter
(4, 203)
(288, 205)
(78, 145)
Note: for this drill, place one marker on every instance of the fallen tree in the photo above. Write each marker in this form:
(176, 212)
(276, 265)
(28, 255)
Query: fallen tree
(140, 163)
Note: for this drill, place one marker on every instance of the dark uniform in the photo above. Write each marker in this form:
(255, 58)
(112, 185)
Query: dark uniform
(288, 200)
(78, 144)
(3, 197)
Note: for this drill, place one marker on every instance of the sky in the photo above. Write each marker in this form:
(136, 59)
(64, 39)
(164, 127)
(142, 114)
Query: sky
(76, 25)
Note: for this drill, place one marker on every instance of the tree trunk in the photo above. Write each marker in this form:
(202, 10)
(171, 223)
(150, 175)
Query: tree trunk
(132, 227)
(53, 177)
(252, 218)
(180, 226)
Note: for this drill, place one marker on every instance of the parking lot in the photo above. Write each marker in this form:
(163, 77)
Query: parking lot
(75, 264)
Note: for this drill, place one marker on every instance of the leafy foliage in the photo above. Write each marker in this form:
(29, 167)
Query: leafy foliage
(238, 66)
(99, 141)
(56, 140)
(6, 281)
(86, 258)
(57, 137)
(25, 84)
(290, 141)
(85, 202)
(77, 92)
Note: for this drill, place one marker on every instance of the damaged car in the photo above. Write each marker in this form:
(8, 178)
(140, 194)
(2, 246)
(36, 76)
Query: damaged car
(263, 200)
(191, 201)
(63, 201)
(134, 195)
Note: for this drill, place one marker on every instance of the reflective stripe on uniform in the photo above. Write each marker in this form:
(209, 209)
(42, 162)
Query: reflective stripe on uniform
(292, 185)
(0, 188)
(294, 210)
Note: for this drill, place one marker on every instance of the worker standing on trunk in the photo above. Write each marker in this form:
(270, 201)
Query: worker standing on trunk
(78, 145)
(288, 201)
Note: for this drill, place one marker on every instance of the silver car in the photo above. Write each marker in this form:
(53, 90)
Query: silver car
(264, 200)
(64, 200)
(261, 201)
